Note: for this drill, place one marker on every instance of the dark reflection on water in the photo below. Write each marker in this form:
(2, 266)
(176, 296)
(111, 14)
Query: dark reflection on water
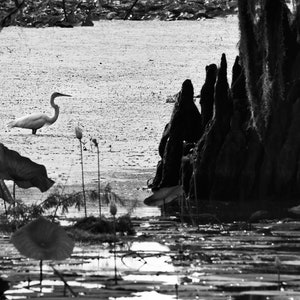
(252, 297)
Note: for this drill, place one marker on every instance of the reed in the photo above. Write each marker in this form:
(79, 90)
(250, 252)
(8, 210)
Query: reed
(78, 133)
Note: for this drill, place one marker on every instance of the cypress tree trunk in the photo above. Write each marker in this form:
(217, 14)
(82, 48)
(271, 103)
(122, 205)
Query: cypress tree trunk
(249, 152)
(185, 127)
(255, 160)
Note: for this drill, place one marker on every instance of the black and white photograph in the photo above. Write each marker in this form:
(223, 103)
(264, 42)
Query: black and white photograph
(150, 149)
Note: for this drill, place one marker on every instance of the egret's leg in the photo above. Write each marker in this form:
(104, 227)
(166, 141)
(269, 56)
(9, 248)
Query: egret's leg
(33, 131)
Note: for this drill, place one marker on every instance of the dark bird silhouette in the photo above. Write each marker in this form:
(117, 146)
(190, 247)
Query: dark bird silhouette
(38, 120)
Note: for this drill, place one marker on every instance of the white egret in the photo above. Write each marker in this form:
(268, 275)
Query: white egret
(38, 120)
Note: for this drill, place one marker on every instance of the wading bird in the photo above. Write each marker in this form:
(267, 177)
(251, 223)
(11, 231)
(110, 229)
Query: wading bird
(38, 120)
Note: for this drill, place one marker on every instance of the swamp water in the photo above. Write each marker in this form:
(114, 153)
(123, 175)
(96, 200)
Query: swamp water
(170, 260)
(119, 74)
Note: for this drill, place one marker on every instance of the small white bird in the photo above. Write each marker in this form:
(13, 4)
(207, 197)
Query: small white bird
(38, 120)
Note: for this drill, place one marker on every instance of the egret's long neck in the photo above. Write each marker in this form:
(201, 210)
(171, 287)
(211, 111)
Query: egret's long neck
(51, 120)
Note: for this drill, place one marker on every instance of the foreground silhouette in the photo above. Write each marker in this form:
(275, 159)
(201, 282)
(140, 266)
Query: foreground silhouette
(23, 171)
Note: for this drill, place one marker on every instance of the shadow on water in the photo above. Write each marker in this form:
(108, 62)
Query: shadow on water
(251, 297)
(267, 296)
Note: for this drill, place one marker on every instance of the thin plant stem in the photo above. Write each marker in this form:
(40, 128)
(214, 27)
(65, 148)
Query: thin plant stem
(195, 189)
(115, 253)
(98, 157)
(14, 193)
(130, 9)
(181, 208)
(41, 274)
(82, 177)
(5, 209)
(64, 9)
(181, 197)
(59, 201)
(6, 195)
(64, 281)
(56, 208)
(278, 264)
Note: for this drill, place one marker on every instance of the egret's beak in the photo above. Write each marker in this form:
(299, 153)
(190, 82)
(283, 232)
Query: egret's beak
(63, 95)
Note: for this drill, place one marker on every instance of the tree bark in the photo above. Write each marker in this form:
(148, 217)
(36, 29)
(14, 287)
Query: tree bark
(249, 150)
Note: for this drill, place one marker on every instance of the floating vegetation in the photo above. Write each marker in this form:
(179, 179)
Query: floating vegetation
(92, 229)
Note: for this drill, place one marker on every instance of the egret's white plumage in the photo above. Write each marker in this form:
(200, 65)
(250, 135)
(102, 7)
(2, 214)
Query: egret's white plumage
(38, 120)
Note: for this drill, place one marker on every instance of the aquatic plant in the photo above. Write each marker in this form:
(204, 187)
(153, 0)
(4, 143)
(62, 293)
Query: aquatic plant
(277, 263)
(64, 201)
(19, 214)
(78, 133)
(95, 142)
(113, 210)
(43, 240)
